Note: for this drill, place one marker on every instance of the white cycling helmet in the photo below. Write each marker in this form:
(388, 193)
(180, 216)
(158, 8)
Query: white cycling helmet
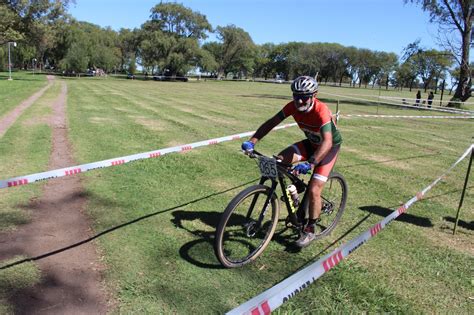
(303, 89)
(304, 85)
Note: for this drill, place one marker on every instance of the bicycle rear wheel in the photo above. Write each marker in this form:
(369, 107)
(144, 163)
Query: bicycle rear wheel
(246, 226)
(333, 199)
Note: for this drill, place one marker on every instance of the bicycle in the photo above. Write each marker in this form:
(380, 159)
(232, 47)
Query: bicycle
(250, 219)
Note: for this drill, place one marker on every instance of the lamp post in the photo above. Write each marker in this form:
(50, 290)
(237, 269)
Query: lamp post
(34, 65)
(9, 61)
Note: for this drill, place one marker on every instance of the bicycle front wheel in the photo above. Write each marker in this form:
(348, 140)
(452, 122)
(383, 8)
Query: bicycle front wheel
(246, 226)
(333, 199)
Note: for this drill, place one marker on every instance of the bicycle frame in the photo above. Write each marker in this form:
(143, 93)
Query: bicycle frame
(295, 219)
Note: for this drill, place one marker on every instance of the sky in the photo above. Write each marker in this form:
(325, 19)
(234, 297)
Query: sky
(379, 25)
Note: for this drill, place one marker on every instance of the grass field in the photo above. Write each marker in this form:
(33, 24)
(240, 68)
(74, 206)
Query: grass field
(163, 260)
(18, 89)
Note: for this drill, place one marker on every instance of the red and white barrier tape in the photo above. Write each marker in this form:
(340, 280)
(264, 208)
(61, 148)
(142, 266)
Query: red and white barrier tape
(385, 102)
(28, 179)
(406, 116)
(274, 297)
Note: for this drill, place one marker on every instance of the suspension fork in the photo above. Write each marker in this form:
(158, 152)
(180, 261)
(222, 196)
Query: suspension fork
(267, 201)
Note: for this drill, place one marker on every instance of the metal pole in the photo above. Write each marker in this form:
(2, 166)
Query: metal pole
(463, 191)
(9, 63)
(442, 92)
(378, 100)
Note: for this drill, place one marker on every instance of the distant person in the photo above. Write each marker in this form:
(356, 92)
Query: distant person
(418, 97)
(430, 99)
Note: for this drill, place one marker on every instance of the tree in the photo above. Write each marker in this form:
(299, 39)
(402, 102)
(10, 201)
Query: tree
(33, 22)
(90, 46)
(128, 43)
(386, 64)
(263, 64)
(175, 19)
(454, 16)
(366, 66)
(236, 51)
(279, 60)
(76, 59)
(9, 30)
(405, 75)
(351, 61)
(207, 62)
(429, 64)
(170, 40)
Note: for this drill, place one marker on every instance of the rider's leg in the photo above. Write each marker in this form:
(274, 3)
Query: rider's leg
(318, 180)
(294, 153)
(315, 188)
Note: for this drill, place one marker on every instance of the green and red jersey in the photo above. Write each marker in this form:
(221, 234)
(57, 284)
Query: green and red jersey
(313, 123)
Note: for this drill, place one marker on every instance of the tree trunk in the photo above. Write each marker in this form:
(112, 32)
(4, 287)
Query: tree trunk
(220, 73)
(463, 90)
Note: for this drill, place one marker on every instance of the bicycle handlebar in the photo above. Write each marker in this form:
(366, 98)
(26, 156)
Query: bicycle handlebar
(255, 154)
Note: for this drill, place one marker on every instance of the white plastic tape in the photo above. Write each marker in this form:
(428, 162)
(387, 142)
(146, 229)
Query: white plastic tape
(72, 170)
(274, 297)
(385, 102)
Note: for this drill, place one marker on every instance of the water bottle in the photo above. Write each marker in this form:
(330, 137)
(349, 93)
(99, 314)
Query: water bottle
(294, 195)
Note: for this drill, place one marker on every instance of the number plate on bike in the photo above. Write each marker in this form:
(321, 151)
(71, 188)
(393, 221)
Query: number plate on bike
(268, 167)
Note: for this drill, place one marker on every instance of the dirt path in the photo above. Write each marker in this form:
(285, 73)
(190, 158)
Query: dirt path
(71, 280)
(12, 116)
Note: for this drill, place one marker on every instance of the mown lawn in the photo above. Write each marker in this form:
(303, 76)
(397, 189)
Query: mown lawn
(20, 88)
(163, 260)
(24, 149)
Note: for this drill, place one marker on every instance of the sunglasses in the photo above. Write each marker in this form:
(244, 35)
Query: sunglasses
(302, 98)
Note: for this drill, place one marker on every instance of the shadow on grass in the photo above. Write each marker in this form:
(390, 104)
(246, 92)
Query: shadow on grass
(461, 223)
(190, 251)
(22, 79)
(406, 217)
(194, 253)
(60, 250)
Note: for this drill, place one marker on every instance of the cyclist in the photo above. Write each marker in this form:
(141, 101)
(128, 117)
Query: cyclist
(318, 151)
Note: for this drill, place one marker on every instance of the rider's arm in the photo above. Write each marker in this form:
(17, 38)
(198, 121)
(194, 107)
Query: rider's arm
(323, 149)
(267, 126)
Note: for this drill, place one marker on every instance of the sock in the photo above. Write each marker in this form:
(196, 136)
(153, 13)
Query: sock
(312, 222)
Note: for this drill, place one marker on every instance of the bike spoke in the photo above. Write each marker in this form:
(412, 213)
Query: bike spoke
(246, 231)
(332, 198)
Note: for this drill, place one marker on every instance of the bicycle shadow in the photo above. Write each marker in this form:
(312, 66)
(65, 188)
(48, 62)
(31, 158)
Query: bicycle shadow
(115, 227)
(199, 252)
(406, 217)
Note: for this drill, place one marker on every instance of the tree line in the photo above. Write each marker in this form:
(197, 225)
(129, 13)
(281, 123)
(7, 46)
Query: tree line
(172, 42)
